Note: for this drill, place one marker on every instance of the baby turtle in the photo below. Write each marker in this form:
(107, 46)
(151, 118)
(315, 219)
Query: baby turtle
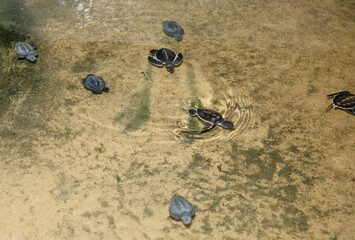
(343, 100)
(179, 208)
(95, 84)
(25, 50)
(172, 29)
(211, 117)
(165, 56)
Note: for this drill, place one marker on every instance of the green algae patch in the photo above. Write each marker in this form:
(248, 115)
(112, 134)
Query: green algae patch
(194, 124)
(17, 76)
(136, 114)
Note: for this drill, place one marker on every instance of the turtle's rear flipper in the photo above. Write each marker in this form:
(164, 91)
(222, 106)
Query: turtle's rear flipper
(31, 58)
(329, 107)
(155, 62)
(178, 59)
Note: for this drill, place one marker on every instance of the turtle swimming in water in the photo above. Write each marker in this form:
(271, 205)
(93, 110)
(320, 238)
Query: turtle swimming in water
(211, 117)
(25, 50)
(95, 84)
(343, 100)
(167, 57)
(179, 208)
(172, 29)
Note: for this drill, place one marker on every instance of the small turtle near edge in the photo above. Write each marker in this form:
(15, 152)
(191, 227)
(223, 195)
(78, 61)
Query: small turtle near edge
(179, 208)
(172, 29)
(95, 84)
(25, 50)
(343, 100)
(167, 57)
(211, 117)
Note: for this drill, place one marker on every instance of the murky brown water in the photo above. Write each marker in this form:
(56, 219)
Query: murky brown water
(74, 165)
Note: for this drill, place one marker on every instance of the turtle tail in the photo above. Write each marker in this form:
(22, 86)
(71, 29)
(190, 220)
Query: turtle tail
(106, 89)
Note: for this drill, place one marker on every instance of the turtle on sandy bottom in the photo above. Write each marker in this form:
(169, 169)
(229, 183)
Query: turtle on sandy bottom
(180, 209)
(172, 29)
(211, 117)
(25, 50)
(95, 84)
(165, 57)
(343, 100)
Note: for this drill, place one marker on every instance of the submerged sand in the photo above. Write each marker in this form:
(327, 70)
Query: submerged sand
(74, 165)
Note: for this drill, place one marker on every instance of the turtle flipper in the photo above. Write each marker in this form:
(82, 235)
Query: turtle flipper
(178, 59)
(339, 93)
(351, 111)
(155, 61)
(31, 58)
(20, 56)
(153, 52)
(329, 107)
(33, 46)
(209, 129)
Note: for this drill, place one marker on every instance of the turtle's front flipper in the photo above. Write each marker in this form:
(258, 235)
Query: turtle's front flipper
(209, 129)
(339, 93)
(33, 46)
(153, 52)
(178, 59)
(155, 62)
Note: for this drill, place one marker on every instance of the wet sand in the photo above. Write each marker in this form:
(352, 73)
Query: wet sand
(74, 165)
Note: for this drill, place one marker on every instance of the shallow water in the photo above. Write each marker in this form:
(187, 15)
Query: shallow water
(75, 165)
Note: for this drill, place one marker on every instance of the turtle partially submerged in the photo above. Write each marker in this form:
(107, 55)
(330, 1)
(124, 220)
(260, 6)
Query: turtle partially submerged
(167, 57)
(95, 84)
(179, 208)
(172, 29)
(343, 100)
(211, 117)
(25, 50)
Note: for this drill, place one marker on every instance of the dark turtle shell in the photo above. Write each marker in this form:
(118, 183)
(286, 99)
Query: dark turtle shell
(343, 100)
(95, 84)
(179, 208)
(172, 29)
(211, 117)
(206, 115)
(165, 57)
(25, 50)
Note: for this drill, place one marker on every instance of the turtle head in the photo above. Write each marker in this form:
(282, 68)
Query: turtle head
(186, 219)
(170, 67)
(31, 58)
(226, 124)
